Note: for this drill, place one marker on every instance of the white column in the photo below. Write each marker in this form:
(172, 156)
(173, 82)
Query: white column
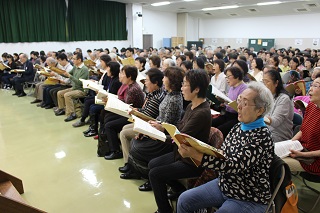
(134, 24)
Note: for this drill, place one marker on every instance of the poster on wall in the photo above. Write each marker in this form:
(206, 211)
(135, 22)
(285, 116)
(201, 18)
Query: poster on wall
(239, 40)
(315, 42)
(298, 41)
(253, 41)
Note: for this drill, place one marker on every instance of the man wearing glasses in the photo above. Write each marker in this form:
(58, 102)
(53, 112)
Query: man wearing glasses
(65, 97)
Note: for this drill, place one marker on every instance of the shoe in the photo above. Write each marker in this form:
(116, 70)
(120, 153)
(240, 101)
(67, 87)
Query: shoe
(96, 137)
(16, 93)
(125, 168)
(78, 123)
(87, 131)
(39, 104)
(35, 101)
(91, 133)
(43, 105)
(130, 175)
(22, 95)
(145, 187)
(173, 195)
(48, 106)
(114, 155)
(60, 112)
(55, 108)
(70, 118)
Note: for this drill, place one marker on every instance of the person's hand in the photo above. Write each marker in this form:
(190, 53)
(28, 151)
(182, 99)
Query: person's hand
(268, 122)
(156, 125)
(297, 154)
(51, 74)
(104, 99)
(66, 74)
(187, 151)
(132, 109)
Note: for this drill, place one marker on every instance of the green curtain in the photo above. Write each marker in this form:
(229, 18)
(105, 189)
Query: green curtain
(32, 20)
(96, 20)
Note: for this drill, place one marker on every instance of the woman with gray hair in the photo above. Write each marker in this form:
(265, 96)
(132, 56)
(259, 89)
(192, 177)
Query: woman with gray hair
(243, 183)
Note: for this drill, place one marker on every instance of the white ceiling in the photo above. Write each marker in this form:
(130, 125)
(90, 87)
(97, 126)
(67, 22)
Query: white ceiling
(288, 7)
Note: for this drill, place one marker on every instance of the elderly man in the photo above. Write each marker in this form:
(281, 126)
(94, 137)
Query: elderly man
(38, 92)
(27, 75)
(65, 97)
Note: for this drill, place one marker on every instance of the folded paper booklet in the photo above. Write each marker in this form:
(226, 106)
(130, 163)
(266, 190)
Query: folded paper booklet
(58, 71)
(104, 94)
(282, 149)
(127, 61)
(218, 93)
(17, 70)
(142, 116)
(44, 73)
(88, 84)
(118, 107)
(181, 138)
(145, 128)
(301, 104)
(98, 101)
(291, 88)
(3, 66)
(89, 63)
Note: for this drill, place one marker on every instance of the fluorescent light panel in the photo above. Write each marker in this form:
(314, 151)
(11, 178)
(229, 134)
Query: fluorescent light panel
(269, 3)
(160, 3)
(221, 8)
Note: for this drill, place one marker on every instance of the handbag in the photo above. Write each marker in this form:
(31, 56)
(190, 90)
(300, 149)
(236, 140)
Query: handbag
(291, 205)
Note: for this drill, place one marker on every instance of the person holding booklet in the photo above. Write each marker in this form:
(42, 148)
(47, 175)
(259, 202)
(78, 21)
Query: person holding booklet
(196, 122)
(308, 159)
(243, 184)
(155, 95)
(228, 117)
(143, 148)
(113, 123)
(281, 115)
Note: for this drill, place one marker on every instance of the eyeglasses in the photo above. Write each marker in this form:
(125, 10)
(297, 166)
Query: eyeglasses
(228, 76)
(243, 102)
(315, 85)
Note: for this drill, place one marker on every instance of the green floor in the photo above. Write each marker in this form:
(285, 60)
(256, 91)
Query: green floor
(59, 167)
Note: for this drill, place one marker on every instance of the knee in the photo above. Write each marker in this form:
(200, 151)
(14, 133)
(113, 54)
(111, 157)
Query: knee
(67, 95)
(183, 203)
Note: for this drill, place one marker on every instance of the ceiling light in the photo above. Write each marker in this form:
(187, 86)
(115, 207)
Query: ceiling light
(269, 3)
(221, 8)
(160, 3)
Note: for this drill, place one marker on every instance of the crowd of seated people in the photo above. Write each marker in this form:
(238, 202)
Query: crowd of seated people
(170, 85)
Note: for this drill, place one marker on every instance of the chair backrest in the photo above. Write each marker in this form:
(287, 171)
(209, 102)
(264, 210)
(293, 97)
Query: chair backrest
(280, 177)
(215, 140)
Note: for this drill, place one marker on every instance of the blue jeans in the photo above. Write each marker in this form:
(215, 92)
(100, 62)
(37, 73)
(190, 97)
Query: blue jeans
(210, 195)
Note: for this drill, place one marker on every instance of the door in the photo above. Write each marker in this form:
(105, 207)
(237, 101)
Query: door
(147, 41)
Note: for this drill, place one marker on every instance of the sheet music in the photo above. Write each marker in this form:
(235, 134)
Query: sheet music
(220, 94)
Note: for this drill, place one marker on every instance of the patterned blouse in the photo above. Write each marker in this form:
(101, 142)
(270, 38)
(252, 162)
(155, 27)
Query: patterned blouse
(244, 174)
(170, 109)
(152, 102)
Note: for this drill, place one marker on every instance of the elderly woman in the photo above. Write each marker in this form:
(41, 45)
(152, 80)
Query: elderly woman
(309, 159)
(281, 115)
(226, 121)
(168, 168)
(243, 182)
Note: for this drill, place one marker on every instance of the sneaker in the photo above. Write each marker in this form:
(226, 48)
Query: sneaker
(78, 123)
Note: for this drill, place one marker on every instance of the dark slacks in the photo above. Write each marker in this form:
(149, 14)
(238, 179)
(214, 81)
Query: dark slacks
(225, 122)
(164, 170)
(47, 100)
(112, 126)
(18, 83)
(88, 101)
(53, 93)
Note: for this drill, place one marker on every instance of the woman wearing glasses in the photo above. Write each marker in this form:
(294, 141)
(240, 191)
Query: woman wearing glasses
(281, 115)
(229, 117)
(243, 184)
(309, 159)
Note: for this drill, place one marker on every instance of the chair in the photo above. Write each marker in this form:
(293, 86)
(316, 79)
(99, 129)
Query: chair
(280, 177)
(32, 83)
(297, 120)
(307, 177)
